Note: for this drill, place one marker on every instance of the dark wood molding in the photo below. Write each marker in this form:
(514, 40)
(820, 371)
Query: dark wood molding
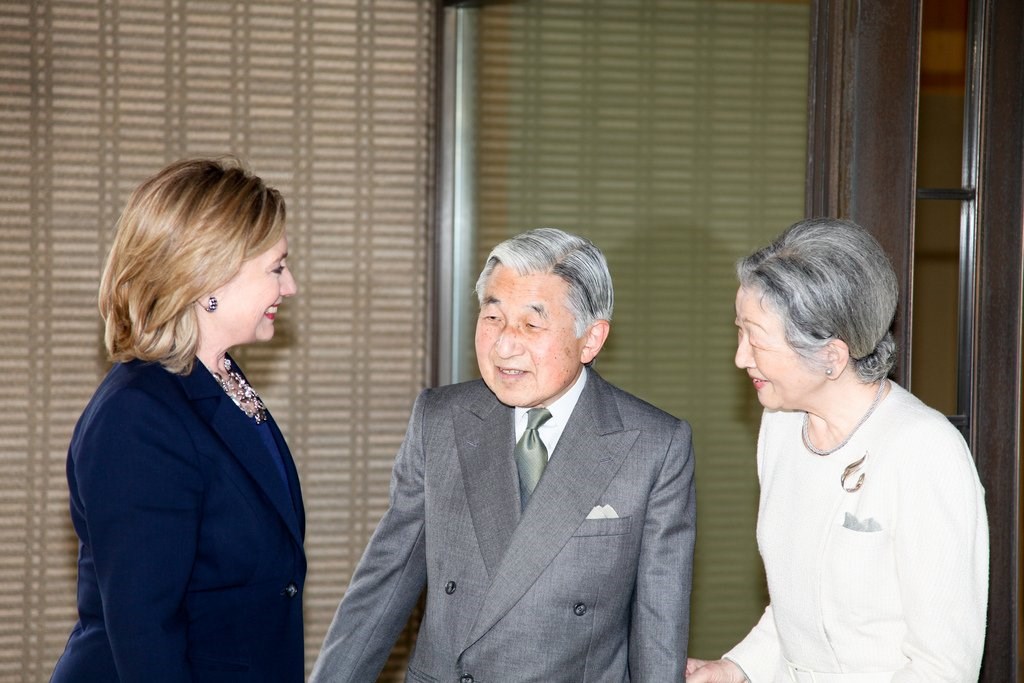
(861, 165)
(824, 120)
(862, 129)
(996, 411)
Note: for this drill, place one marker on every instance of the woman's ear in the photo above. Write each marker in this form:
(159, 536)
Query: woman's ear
(837, 358)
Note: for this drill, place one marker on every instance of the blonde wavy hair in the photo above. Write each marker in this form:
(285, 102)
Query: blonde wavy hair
(184, 233)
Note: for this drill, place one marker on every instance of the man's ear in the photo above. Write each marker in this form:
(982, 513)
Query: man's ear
(594, 337)
(837, 357)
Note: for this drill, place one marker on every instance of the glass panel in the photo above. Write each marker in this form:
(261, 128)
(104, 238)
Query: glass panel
(934, 360)
(941, 105)
(935, 349)
(673, 134)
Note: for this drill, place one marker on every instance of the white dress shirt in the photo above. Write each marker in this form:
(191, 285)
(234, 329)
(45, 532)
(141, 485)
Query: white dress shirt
(561, 409)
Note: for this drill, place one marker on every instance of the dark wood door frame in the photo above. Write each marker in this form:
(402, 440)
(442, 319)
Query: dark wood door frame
(861, 165)
(863, 129)
(996, 411)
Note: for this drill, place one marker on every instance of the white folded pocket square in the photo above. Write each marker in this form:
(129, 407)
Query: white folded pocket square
(854, 524)
(603, 512)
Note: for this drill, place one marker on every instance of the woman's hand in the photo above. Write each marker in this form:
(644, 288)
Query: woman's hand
(718, 671)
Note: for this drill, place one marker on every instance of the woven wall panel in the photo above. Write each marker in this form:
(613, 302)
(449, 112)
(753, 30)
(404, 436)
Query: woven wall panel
(329, 100)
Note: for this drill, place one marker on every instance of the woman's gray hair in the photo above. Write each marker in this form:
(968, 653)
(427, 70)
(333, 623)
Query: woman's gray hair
(574, 259)
(829, 279)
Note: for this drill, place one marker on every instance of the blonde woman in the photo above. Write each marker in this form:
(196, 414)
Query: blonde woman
(184, 495)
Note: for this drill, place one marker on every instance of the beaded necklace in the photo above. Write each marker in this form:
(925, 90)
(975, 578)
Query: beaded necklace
(829, 451)
(241, 393)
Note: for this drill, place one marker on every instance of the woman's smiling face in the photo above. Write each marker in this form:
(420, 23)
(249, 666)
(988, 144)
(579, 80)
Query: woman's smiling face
(247, 304)
(782, 377)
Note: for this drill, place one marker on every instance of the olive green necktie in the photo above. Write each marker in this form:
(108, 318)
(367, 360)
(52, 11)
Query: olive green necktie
(531, 455)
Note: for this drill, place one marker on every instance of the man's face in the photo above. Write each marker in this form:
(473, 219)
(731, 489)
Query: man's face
(526, 345)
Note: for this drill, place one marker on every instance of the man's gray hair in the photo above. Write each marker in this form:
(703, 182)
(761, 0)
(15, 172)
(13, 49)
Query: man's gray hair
(574, 259)
(829, 279)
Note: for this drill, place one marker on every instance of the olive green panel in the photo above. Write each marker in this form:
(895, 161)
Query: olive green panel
(673, 134)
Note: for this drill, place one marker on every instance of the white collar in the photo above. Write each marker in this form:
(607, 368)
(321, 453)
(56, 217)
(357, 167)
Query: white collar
(561, 409)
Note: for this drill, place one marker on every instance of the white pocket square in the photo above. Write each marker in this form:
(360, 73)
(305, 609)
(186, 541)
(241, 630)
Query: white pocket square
(603, 512)
(854, 524)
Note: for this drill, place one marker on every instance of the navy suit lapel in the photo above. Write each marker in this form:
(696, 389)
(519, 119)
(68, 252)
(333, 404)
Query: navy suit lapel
(245, 444)
(291, 472)
(483, 438)
(589, 453)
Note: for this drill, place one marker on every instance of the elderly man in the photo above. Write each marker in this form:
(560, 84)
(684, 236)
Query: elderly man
(549, 514)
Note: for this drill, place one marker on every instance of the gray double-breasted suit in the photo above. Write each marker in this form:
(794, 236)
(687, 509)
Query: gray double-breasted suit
(543, 595)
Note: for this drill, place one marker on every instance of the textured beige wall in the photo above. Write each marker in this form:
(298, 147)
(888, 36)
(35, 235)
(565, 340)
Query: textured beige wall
(329, 100)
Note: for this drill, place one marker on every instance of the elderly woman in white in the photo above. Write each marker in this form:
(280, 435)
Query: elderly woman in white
(871, 522)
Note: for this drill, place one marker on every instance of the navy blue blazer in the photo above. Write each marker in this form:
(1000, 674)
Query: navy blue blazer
(190, 564)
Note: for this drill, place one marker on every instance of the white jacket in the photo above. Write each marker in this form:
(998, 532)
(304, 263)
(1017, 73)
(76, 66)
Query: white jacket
(890, 580)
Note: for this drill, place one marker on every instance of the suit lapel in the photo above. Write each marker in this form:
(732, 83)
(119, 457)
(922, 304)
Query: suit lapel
(483, 439)
(294, 486)
(243, 442)
(589, 453)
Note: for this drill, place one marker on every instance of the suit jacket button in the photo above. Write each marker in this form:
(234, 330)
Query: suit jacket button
(290, 591)
(449, 587)
(466, 678)
(580, 609)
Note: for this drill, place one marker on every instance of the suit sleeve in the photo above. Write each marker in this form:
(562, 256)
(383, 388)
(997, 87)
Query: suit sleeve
(136, 489)
(389, 578)
(659, 628)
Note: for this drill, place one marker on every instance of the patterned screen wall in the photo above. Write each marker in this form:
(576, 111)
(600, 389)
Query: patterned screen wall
(329, 100)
